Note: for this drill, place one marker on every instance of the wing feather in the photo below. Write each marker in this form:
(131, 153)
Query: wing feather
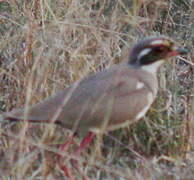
(89, 100)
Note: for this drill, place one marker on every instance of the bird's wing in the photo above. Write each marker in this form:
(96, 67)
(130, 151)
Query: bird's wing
(86, 101)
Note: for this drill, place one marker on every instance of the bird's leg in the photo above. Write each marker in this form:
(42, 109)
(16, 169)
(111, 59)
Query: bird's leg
(64, 147)
(84, 144)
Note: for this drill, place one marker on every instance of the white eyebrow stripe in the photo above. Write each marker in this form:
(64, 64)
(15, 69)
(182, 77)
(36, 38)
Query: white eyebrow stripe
(143, 53)
(157, 42)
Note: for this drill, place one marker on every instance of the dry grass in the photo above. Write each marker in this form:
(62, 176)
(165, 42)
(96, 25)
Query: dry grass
(46, 45)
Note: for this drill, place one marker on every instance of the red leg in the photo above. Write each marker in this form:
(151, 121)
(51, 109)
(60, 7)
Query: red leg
(84, 143)
(64, 147)
(67, 172)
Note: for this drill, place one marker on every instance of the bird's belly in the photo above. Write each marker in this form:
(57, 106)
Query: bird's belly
(123, 116)
(111, 127)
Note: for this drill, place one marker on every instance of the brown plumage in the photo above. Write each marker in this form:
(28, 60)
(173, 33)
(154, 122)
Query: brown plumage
(109, 99)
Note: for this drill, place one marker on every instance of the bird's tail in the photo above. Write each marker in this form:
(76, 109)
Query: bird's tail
(14, 119)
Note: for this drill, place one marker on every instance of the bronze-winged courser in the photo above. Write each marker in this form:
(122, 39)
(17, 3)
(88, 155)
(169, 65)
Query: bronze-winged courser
(110, 99)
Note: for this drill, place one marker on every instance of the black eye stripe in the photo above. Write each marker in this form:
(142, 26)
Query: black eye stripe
(159, 49)
(162, 49)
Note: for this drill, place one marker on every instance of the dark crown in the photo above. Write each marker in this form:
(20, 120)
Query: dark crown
(152, 49)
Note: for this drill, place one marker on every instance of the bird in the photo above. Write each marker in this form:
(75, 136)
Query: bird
(110, 99)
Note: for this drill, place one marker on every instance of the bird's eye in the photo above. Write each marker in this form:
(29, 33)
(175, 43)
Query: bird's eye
(159, 49)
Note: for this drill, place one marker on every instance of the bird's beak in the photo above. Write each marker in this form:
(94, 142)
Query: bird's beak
(178, 51)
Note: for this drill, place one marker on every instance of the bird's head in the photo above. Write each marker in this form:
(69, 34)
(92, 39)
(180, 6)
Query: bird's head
(154, 50)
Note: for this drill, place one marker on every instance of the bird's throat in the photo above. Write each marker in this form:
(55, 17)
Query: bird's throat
(153, 67)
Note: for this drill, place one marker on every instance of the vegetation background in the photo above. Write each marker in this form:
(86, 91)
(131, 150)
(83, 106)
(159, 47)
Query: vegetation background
(46, 45)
